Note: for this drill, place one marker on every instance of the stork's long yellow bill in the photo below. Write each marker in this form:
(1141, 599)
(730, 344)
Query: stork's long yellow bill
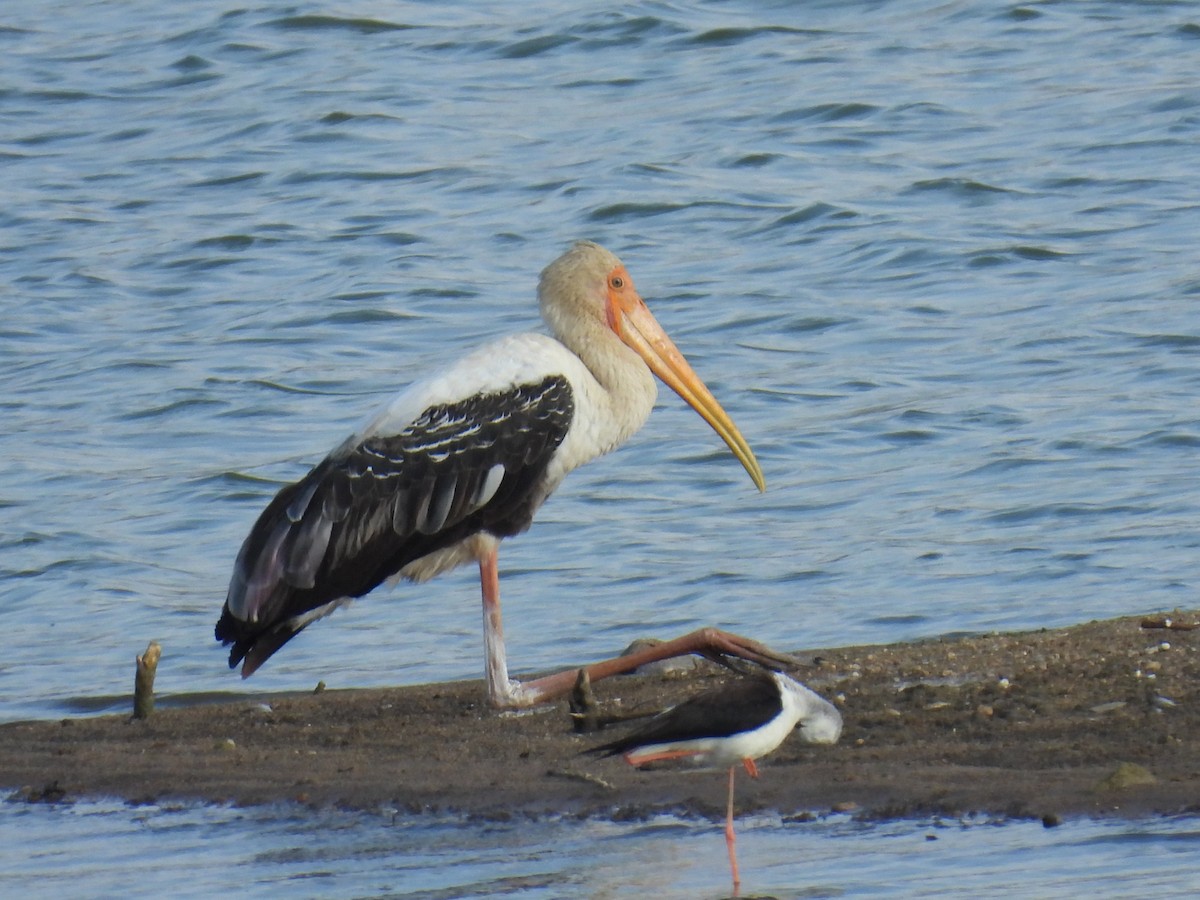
(637, 327)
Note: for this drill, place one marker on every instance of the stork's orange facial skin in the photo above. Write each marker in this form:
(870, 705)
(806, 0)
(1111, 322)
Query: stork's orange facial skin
(631, 320)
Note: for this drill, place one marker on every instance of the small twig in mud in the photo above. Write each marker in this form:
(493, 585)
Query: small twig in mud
(1169, 623)
(585, 777)
(584, 708)
(143, 681)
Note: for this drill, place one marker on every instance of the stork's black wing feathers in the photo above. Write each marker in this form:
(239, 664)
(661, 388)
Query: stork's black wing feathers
(376, 505)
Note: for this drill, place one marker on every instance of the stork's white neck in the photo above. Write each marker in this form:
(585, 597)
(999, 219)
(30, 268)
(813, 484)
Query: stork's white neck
(628, 388)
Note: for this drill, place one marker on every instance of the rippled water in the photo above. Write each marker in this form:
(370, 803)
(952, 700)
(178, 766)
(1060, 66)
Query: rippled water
(936, 259)
(276, 852)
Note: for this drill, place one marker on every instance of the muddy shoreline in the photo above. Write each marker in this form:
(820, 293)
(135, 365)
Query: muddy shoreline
(1100, 719)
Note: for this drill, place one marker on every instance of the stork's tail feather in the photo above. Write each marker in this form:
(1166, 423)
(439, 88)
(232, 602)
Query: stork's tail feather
(252, 648)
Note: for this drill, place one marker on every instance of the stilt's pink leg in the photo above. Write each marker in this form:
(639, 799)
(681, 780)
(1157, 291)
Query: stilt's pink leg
(634, 759)
(730, 840)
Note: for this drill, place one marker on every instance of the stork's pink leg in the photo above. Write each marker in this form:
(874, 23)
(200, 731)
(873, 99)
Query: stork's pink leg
(730, 840)
(501, 691)
(705, 641)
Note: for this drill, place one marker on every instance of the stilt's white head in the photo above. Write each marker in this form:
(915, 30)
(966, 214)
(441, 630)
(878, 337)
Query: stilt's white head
(819, 720)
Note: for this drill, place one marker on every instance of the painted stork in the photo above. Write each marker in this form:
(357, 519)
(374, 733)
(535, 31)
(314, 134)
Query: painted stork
(736, 723)
(464, 458)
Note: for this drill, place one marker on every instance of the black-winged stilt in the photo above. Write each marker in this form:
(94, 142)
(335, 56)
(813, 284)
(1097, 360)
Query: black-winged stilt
(738, 722)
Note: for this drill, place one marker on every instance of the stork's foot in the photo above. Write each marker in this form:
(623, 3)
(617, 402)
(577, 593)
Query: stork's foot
(712, 643)
(676, 665)
(512, 694)
(723, 646)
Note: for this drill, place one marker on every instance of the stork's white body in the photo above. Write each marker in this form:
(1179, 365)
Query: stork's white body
(601, 423)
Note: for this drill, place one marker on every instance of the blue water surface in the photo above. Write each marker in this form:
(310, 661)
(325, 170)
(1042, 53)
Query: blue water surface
(105, 849)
